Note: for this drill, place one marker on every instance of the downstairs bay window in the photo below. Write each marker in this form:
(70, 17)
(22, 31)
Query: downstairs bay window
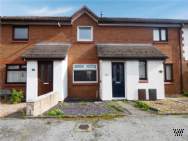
(85, 73)
(15, 74)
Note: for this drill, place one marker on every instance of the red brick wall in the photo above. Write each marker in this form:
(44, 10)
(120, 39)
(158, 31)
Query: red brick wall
(86, 52)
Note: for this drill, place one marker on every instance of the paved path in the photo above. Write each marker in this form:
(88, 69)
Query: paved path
(138, 126)
(133, 111)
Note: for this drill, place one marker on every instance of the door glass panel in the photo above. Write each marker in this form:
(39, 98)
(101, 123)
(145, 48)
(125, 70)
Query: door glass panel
(42, 73)
(121, 73)
(49, 76)
(118, 73)
(114, 72)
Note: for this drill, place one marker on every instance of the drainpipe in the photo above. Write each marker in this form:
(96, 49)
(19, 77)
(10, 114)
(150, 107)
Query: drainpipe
(181, 59)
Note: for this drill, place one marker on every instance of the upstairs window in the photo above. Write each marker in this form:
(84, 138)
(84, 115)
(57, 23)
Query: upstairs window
(20, 33)
(142, 70)
(85, 73)
(168, 72)
(85, 33)
(160, 34)
(16, 74)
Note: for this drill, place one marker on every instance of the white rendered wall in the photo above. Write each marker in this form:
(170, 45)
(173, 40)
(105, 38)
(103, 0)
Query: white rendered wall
(65, 77)
(155, 79)
(185, 42)
(60, 78)
(131, 80)
(105, 80)
(32, 81)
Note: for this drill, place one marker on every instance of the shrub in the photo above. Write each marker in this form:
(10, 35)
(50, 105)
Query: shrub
(142, 105)
(55, 112)
(185, 93)
(16, 96)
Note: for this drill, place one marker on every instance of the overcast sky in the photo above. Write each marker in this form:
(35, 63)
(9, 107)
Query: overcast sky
(176, 9)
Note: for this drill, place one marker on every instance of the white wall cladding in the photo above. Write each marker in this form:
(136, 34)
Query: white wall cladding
(155, 79)
(185, 42)
(60, 78)
(32, 81)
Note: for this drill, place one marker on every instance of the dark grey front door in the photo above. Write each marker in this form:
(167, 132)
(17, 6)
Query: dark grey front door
(118, 81)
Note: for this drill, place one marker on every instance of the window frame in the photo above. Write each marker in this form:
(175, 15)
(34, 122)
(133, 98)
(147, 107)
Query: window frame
(20, 69)
(20, 26)
(160, 34)
(84, 82)
(146, 69)
(84, 40)
(171, 72)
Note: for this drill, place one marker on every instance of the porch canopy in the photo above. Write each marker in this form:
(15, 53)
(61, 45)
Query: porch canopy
(129, 51)
(49, 50)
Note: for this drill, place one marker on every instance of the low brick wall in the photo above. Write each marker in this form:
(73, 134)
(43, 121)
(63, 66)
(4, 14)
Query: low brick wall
(42, 104)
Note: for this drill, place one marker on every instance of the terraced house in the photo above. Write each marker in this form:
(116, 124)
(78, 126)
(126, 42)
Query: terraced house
(86, 57)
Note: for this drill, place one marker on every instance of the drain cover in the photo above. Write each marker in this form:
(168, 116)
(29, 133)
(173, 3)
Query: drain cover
(84, 127)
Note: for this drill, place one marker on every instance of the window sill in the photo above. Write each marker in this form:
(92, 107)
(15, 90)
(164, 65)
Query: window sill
(14, 84)
(85, 42)
(85, 84)
(143, 81)
(160, 42)
(20, 41)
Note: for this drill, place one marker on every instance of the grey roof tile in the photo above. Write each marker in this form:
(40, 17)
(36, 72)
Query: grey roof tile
(129, 51)
(47, 51)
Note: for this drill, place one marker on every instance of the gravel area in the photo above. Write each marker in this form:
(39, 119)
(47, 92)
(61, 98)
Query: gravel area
(90, 108)
(170, 105)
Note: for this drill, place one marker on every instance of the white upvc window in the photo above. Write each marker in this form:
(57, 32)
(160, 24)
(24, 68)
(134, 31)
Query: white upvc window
(85, 73)
(156, 35)
(15, 73)
(84, 33)
(160, 34)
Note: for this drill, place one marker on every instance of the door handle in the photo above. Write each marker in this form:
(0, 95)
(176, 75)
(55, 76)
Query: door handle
(45, 83)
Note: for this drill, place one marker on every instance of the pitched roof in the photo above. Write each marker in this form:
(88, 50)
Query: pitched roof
(84, 9)
(139, 20)
(41, 20)
(129, 51)
(47, 51)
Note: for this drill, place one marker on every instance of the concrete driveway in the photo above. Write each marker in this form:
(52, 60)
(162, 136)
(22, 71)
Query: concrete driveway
(138, 126)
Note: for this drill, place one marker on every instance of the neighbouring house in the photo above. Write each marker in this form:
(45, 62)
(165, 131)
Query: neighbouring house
(86, 57)
(185, 55)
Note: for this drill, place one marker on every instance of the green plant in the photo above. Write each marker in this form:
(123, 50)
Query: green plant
(55, 112)
(185, 93)
(16, 96)
(142, 105)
